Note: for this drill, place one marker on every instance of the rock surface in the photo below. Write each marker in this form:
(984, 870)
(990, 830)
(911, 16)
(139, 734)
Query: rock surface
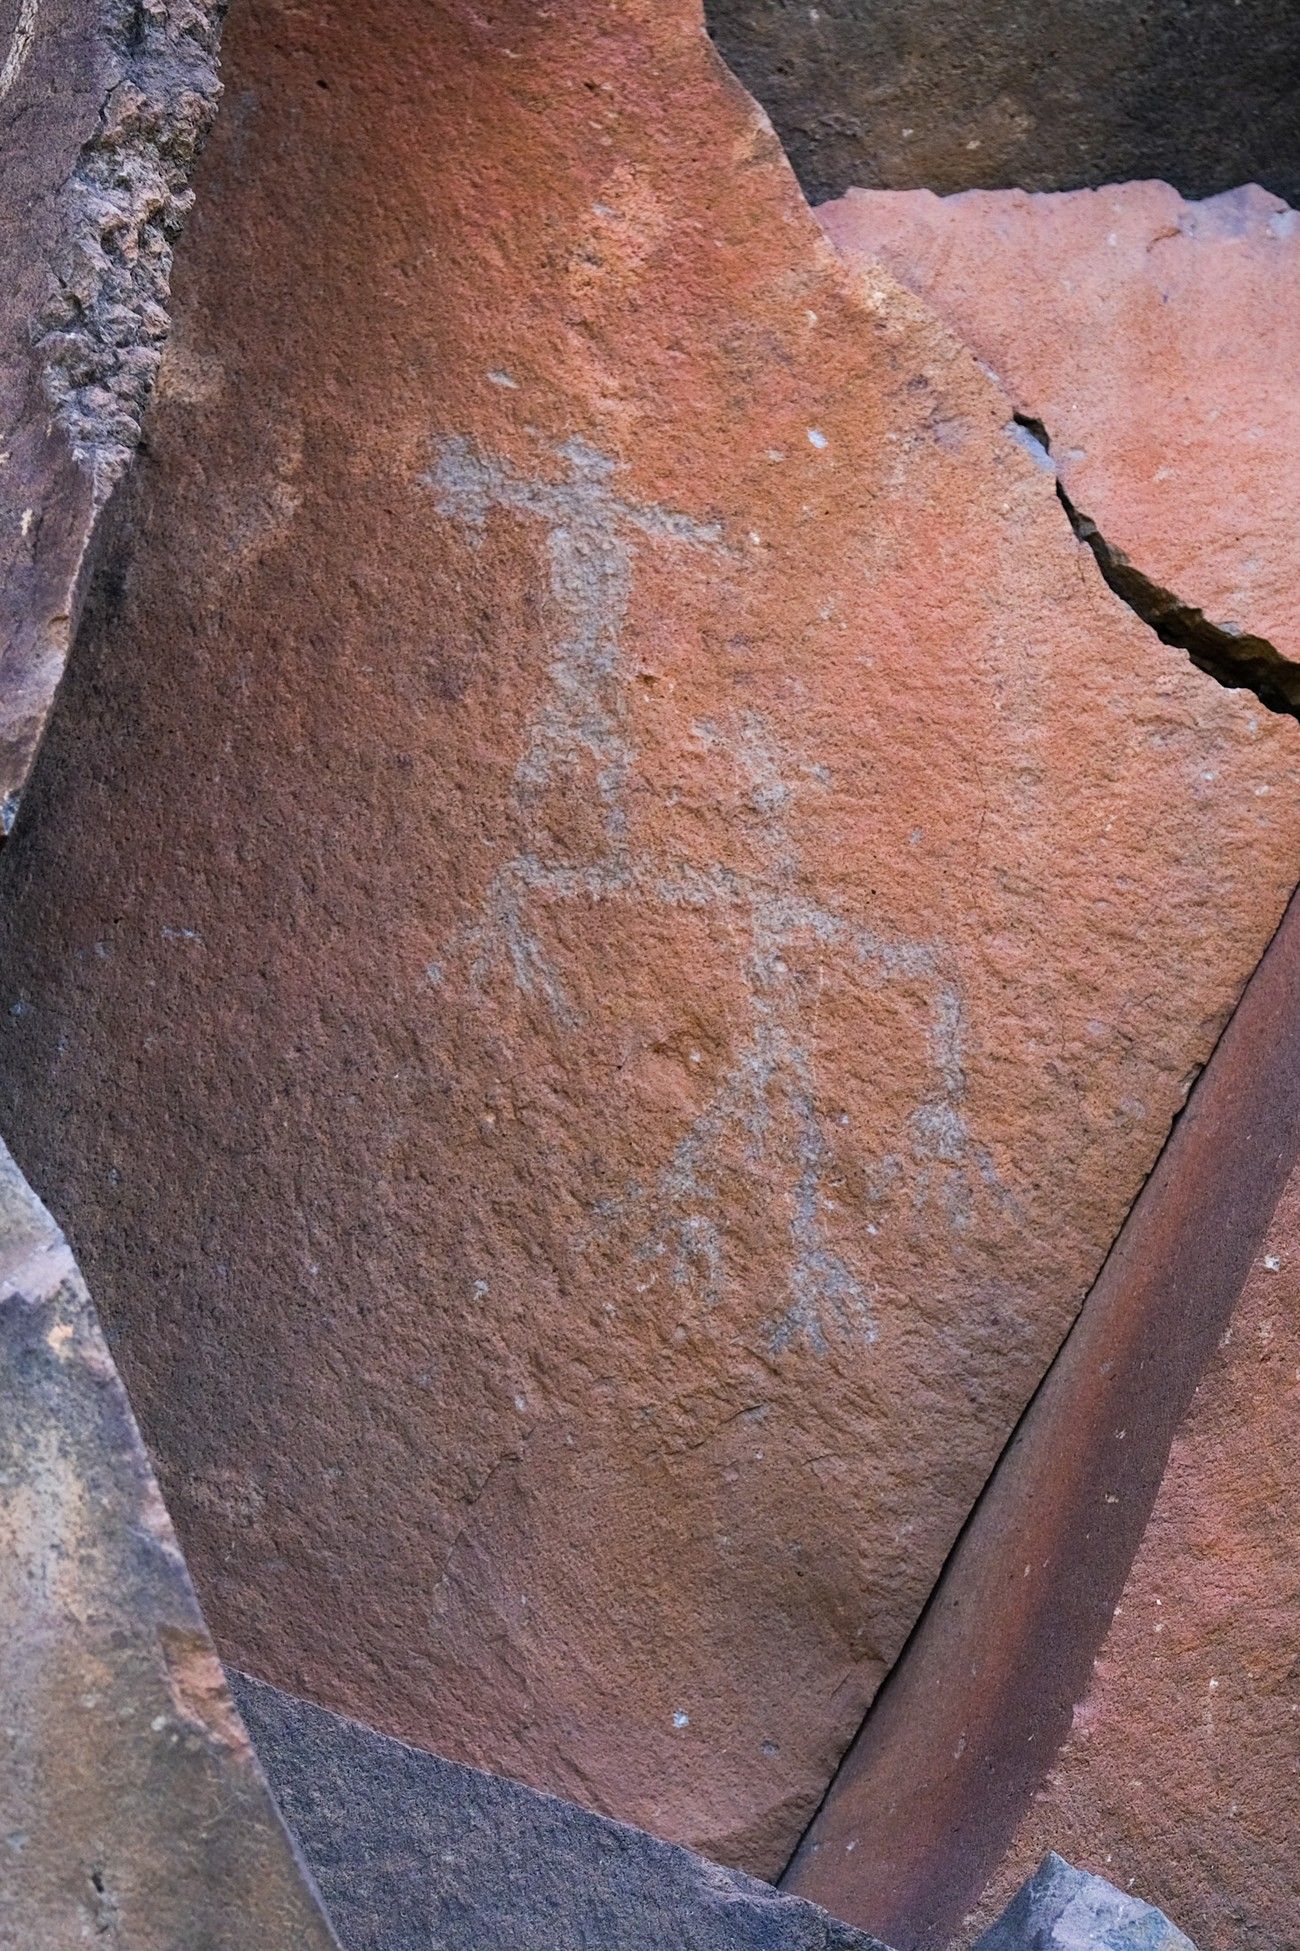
(102, 110)
(581, 964)
(956, 1755)
(986, 93)
(1181, 1771)
(1182, 1764)
(412, 1851)
(1064, 1909)
(1147, 335)
(132, 1808)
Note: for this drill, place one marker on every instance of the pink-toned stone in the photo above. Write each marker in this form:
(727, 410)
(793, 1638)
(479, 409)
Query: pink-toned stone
(1152, 337)
(1182, 1769)
(583, 966)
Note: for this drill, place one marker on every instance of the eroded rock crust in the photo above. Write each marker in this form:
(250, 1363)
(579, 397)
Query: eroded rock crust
(103, 109)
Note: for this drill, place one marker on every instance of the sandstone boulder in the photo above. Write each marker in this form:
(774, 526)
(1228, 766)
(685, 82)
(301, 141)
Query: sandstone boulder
(580, 963)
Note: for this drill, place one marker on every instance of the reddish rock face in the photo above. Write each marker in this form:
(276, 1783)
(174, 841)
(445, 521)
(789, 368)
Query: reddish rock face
(592, 904)
(953, 1755)
(1148, 335)
(1182, 1768)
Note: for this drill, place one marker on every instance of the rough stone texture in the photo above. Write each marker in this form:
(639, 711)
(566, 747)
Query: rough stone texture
(103, 104)
(132, 1809)
(987, 93)
(412, 1851)
(1148, 336)
(581, 964)
(951, 1762)
(1064, 1909)
(1181, 1772)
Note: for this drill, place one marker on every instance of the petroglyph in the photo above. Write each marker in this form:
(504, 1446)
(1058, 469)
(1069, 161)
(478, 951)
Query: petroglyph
(767, 1100)
(589, 550)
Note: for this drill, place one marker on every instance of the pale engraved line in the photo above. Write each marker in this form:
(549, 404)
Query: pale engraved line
(581, 714)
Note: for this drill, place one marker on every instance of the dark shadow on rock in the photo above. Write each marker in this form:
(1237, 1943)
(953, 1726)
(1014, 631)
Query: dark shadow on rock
(988, 94)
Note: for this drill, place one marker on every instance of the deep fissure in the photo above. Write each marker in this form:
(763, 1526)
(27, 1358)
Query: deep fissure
(1239, 660)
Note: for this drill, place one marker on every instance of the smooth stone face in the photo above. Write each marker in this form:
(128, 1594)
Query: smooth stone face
(412, 1851)
(1150, 336)
(969, 94)
(1181, 1771)
(613, 920)
(1064, 1909)
(132, 1807)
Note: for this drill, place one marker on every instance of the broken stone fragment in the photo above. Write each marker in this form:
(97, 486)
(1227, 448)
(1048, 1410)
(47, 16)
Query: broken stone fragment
(103, 108)
(581, 961)
(1064, 1909)
(132, 1808)
(412, 1851)
(1146, 336)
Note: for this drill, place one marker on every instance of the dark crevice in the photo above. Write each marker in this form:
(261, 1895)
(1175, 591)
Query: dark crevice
(1237, 659)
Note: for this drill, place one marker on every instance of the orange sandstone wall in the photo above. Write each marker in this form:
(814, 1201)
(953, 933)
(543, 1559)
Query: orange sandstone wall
(612, 918)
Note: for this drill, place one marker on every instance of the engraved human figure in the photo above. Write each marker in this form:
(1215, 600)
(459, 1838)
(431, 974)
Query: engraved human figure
(590, 537)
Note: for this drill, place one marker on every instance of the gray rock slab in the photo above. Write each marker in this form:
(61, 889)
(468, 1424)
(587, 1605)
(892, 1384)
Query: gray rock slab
(1064, 1909)
(413, 1853)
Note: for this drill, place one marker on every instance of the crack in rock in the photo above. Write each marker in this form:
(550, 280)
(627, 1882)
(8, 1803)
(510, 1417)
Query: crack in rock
(1237, 659)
